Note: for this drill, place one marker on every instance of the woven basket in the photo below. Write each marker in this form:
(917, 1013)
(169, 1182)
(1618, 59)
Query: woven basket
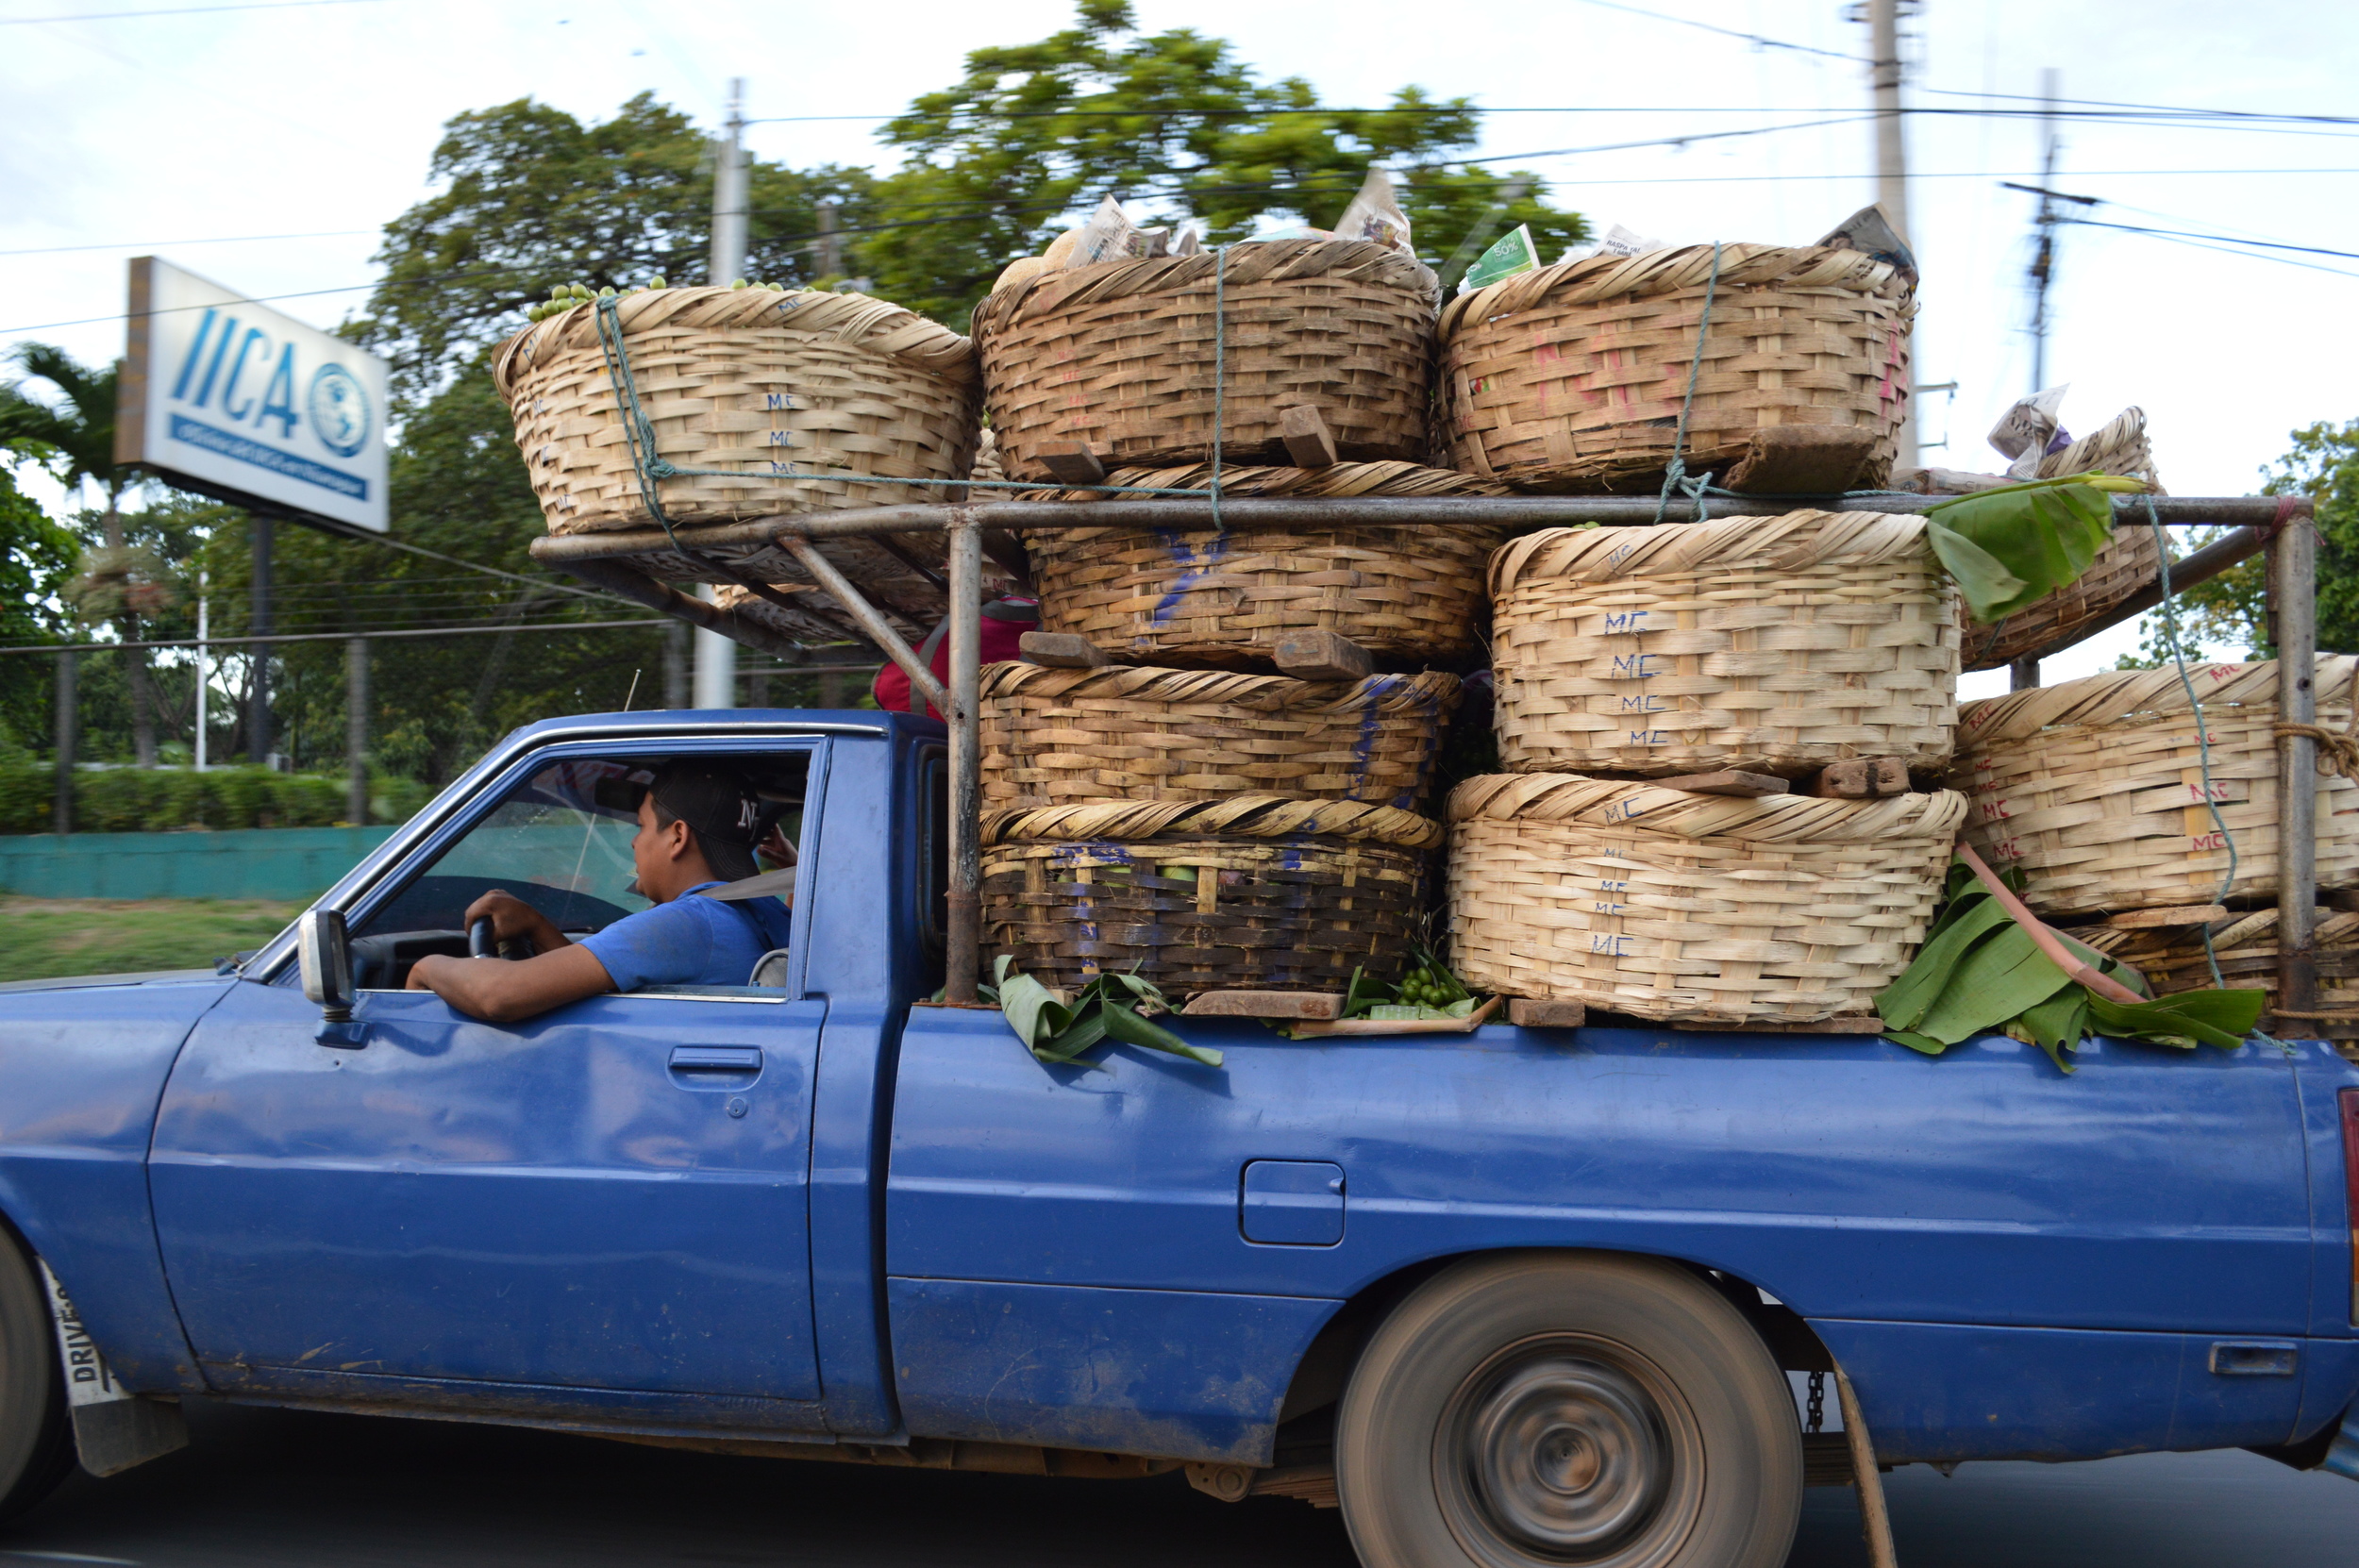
(1691, 908)
(750, 380)
(2124, 565)
(1253, 892)
(2119, 446)
(1058, 737)
(2093, 789)
(1120, 355)
(1775, 644)
(1408, 594)
(2172, 957)
(1572, 377)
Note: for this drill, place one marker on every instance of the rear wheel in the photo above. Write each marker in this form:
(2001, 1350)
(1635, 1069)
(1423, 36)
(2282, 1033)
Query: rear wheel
(36, 1441)
(1549, 1410)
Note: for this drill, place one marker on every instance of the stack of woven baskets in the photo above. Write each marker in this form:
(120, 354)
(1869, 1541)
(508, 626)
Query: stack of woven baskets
(2146, 826)
(1185, 810)
(1720, 658)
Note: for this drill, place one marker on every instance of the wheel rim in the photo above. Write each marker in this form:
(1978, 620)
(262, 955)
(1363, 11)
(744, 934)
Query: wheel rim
(1566, 1449)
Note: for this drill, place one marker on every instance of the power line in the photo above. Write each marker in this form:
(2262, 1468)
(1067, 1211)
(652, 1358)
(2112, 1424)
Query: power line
(184, 10)
(1754, 39)
(2224, 238)
(223, 240)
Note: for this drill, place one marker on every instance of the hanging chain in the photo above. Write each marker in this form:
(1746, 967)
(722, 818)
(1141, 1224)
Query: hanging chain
(1818, 1402)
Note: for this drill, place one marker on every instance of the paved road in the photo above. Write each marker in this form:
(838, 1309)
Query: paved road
(267, 1489)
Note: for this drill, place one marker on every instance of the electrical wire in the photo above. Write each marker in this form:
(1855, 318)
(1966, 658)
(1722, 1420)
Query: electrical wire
(2227, 239)
(184, 10)
(1754, 39)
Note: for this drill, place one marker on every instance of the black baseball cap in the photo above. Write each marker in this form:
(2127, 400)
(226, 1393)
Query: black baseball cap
(719, 808)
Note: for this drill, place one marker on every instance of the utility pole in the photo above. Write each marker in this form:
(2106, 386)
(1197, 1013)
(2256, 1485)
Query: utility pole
(716, 655)
(1892, 162)
(62, 808)
(357, 732)
(2043, 272)
(204, 664)
(830, 246)
(257, 688)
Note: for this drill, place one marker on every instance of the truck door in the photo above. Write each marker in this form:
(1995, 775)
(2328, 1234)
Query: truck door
(609, 1197)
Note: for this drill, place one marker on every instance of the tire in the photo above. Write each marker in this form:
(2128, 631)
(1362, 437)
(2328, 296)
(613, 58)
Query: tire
(36, 1439)
(1540, 1410)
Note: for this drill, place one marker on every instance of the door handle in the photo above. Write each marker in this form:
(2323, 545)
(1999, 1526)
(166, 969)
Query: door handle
(716, 1061)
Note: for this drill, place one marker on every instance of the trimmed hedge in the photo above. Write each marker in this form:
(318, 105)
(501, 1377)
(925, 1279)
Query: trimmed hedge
(146, 800)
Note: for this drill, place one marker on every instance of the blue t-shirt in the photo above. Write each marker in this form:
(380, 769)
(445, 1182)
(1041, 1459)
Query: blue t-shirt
(690, 941)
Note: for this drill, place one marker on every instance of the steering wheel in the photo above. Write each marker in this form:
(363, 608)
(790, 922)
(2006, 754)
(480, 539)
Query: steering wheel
(481, 943)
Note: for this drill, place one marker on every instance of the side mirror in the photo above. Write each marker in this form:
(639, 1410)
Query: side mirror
(323, 951)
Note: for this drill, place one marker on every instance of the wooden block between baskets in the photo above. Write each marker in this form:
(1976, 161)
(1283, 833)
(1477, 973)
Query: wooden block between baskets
(1317, 1006)
(1544, 1012)
(1862, 779)
(1071, 462)
(1727, 781)
(1063, 650)
(1308, 440)
(2185, 914)
(1321, 656)
(1802, 459)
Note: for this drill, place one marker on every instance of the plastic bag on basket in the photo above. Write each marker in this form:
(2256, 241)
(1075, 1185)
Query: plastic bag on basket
(2029, 430)
(1374, 216)
(1622, 241)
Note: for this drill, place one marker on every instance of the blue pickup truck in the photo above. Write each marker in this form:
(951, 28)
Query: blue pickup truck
(1516, 1297)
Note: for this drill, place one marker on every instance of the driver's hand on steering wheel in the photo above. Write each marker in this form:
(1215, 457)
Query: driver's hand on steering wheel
(512, 918)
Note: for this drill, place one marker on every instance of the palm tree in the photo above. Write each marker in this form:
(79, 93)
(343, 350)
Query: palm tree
(77, 438)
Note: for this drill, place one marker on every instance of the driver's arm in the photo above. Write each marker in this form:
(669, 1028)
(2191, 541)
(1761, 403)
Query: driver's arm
(501, 992)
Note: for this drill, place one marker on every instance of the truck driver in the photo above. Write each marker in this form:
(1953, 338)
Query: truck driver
(698, 825)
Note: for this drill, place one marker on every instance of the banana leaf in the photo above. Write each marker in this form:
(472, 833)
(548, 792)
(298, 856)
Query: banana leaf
(1979, 973)
(1108, 1008)
(2006, 547)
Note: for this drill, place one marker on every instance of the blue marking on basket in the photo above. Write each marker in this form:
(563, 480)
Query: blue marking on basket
(1372, 692)
(1183, 556)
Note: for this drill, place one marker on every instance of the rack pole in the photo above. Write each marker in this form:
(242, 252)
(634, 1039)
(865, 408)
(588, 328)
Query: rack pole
(964, 956)
(2293, 587)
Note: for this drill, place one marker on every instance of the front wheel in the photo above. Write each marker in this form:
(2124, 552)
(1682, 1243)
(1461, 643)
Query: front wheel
(36, 1444)
(1552, 1409)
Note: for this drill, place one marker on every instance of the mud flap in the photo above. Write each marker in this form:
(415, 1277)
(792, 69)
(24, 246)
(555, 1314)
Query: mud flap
(113, 1428)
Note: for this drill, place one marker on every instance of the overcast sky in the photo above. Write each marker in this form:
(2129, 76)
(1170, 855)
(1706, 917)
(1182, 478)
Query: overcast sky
(312, 126)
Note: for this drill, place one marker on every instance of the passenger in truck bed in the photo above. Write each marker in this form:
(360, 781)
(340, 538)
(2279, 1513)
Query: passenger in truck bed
(698, 826)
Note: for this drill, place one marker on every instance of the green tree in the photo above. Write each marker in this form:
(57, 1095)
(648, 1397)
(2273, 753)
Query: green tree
(997, 164)
(532, 197)
(2233, 608)
(39, 558)
(76, 438)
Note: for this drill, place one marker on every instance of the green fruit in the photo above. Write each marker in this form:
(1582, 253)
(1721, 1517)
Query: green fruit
(581, 291)
(561, 291)
(657, 282)
(738, 283)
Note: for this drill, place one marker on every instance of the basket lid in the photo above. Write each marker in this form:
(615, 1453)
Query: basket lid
(1338, 479)
(877, 325)
(1252, 261)
(1784, 543)
(1598, 278)
(1636, 807)
(1258, 816)
(2140, 696)
(1426, 695)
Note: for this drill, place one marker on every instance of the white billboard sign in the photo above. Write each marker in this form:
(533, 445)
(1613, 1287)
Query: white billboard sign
(231, 399)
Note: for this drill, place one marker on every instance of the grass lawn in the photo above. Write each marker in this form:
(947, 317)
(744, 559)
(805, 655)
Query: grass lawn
(44, 937)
